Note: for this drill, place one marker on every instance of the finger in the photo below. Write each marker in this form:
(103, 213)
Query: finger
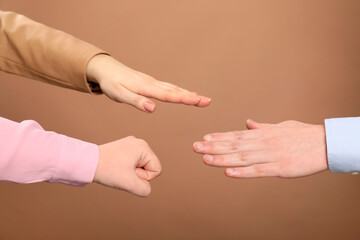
(250, 124)
(205, 101)
(166, 84)
(234, 135)
(149, 165)
(142, 174)
(226, 147)
(169, 95)
(167, 92)
(240, 159)
(140, 187)
(254, 171)
(174, 88)
(138, 101)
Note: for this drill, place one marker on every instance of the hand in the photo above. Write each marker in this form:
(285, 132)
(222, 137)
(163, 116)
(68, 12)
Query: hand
(127, 164)
(123, 84)
(288, 149)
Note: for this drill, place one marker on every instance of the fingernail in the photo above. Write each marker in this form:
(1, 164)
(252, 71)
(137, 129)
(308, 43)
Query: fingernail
(208, 138)
(199, 146)
(207, 99)
(230, 171)
(208, 158)
(149, 106)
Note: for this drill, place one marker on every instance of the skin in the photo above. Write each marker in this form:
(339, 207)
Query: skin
(125, 85)
(288, 149)
(127, 164)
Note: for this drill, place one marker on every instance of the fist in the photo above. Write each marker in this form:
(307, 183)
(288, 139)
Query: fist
(127, 164)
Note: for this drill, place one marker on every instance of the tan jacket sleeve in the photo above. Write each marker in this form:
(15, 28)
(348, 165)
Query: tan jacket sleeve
(33, 50)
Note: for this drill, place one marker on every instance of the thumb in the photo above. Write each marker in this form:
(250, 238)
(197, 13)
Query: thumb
(149, 167)
(142, 174)
(250, 124)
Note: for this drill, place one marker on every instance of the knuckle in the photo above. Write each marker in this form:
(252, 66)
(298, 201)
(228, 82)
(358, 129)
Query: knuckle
(142, 142)
(210, 137)
(137, 142)
(131, 137)
(234, 172)
(235, 145)
(138, 101)
(167, 95)
(259, 170)
(243, 156)
(290, 123)
(160, 169)
(239, 135)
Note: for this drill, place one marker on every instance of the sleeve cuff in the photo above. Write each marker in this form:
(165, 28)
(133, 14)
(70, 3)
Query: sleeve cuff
(343, 144)
(91, 87)
(77, 162)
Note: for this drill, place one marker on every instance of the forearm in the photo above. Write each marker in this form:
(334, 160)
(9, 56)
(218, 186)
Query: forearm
(33, 50)
(29, 154)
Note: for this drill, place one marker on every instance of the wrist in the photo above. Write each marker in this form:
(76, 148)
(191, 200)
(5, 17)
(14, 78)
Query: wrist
(99, 165)
(96, 66)
(323, 153)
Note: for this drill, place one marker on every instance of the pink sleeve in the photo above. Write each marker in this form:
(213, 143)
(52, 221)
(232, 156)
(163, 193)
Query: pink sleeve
(30, 154)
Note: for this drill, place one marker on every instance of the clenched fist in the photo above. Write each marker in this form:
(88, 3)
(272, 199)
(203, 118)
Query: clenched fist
(127, 164)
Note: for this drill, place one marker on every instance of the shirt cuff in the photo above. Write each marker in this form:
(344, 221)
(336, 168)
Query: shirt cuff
(343, 144)
(77, 162)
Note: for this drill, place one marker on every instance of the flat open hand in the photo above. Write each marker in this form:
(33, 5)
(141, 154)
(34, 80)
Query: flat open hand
(288, 149)
(123, 84)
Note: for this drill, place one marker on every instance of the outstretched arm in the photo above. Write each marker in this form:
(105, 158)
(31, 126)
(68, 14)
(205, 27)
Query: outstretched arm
(33, 50)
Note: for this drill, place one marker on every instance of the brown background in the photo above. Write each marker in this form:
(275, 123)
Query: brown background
(266, 60)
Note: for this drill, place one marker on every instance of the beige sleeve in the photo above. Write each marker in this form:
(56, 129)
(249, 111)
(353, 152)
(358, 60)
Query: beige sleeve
(33, 50)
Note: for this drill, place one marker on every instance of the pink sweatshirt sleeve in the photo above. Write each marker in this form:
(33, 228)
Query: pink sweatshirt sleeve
(30, 154)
